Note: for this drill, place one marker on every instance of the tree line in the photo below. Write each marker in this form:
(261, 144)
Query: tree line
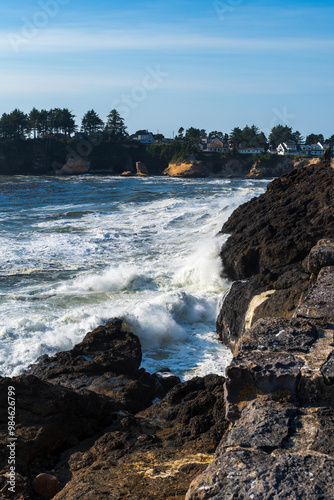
(61, 122)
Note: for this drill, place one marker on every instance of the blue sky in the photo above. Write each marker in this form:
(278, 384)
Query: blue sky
(163, 65)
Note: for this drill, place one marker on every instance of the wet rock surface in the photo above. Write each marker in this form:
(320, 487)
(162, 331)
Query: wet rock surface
(279, 334)
(270, 241)
(157, 453)
(98, 434)
(279, 388)
(107, 362)
(257, 475)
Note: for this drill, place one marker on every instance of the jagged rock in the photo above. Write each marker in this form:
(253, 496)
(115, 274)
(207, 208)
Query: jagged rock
(322, 255)
(106, 362)
(260, 374)
(154, 455)
(105, 349)
(258, 475)
(48, 415)
(46, 485)
(277, 335)
(263, 425)
(270, 238)
(74, 166)
(141, 169)
(281, 226)
(327, 369)
(231, 318)
(319, 303)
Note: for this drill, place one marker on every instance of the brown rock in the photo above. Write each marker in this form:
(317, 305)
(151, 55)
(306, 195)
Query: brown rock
(275, 375)
(74, 166)
(142, 170)
(319, 303)
(281, 226)
(322, 255)
(46, 485)
(156, 454)
(186, 168)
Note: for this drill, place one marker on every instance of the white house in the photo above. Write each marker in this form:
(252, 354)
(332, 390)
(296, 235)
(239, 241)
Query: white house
(291, 148)
(288, 148)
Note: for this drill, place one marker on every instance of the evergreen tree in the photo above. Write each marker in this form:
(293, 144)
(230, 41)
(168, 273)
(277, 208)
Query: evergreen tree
(180, 132)
(67, 122)
(279, 134)
(236, 137)
(91, 123)
(34, 121)
(14, 125)
(297, 137)
(215, 134)
(115, 126)
(193, 134)
(314, 139)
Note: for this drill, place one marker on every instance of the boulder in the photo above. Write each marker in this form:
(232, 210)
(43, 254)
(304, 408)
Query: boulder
(142, 170)
(322, 255)
(74, 166)
(48, 416)
(46, 485)
(106, 362)
(186, 168)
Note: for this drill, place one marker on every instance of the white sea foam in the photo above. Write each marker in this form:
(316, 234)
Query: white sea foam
(143, 250)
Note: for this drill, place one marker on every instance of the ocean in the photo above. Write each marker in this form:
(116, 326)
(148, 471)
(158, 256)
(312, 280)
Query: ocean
(78, 251)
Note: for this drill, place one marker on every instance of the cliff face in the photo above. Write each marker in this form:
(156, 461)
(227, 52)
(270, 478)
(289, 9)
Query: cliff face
(216, 165)
(270, 238)
(279, 388)
(187, 168)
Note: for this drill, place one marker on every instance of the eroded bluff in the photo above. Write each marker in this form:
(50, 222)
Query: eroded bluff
(267, 252)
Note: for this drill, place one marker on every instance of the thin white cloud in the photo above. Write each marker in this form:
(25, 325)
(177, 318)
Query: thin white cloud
(66, 83)
(18, 83)
(77, 41)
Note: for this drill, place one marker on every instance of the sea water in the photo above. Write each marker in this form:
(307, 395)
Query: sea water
(78, 251)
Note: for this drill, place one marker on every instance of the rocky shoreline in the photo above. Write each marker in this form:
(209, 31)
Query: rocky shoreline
(92, 424)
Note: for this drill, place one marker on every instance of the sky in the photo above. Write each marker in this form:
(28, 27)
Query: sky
(213, 65)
